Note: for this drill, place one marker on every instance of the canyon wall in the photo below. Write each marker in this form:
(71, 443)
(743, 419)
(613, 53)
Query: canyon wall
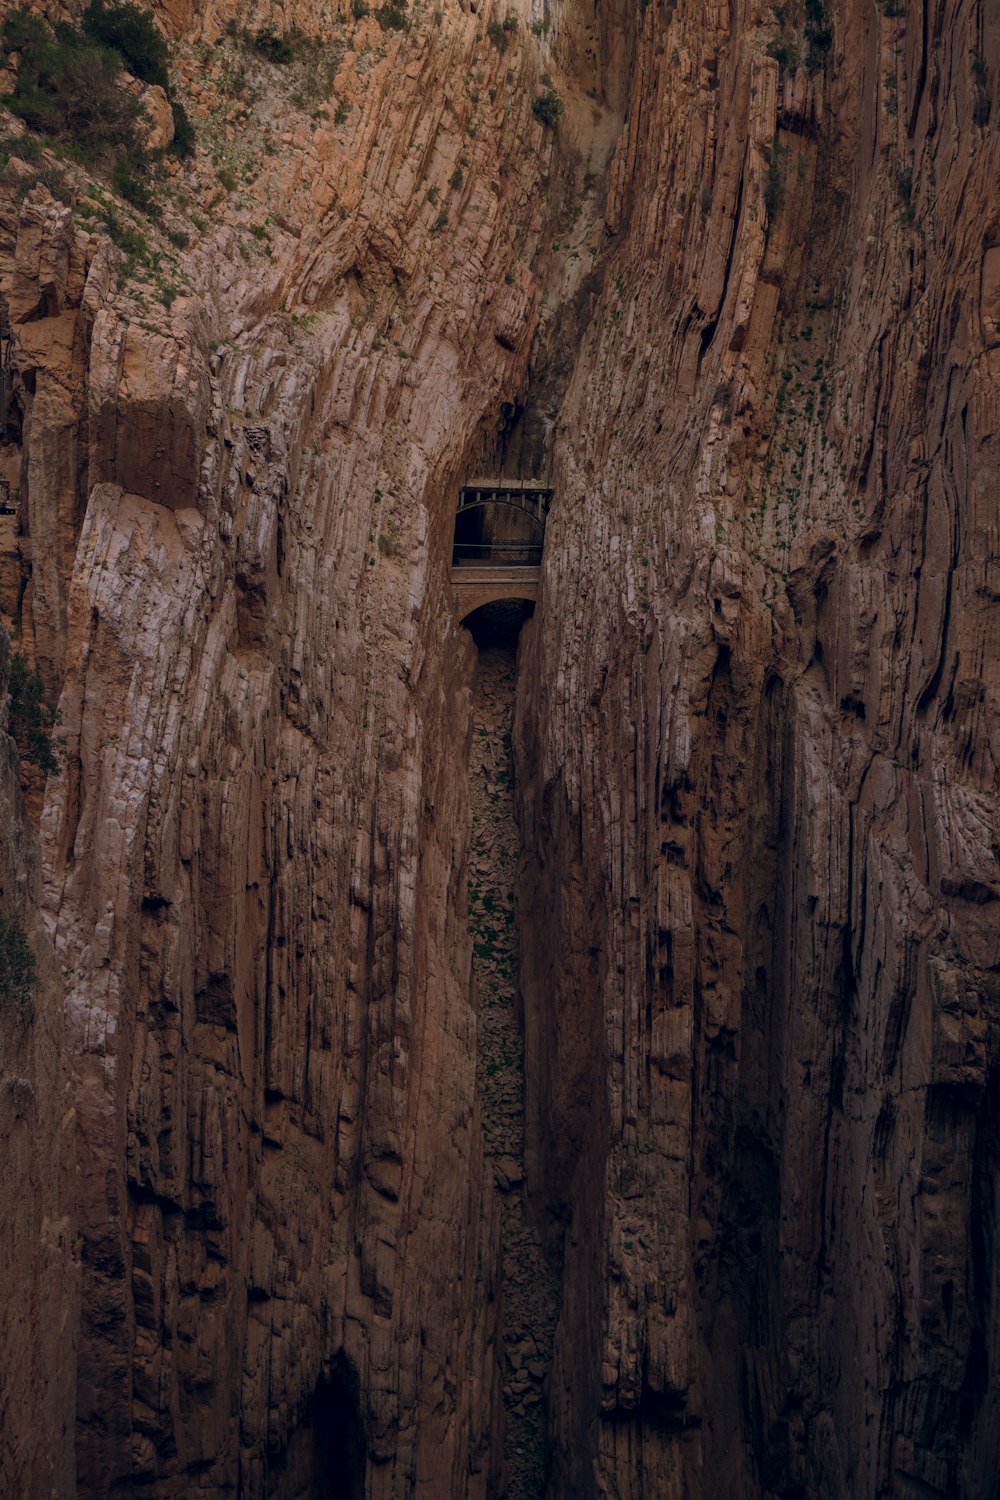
(239, 432)
(39, 1268)
(743, 302)
(757, 748)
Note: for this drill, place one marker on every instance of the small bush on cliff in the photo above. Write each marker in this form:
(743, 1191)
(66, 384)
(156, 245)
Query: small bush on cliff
(182, 144)
(392, 16)
(18, 976)
(499, 32)
(904, 193)
(276, 49)
(31, 716)
(21, 28)
(547, 107)
(774, 181)
(980, 91)
(67, 86)
(784, 52)
(131, 33)
(130, 180)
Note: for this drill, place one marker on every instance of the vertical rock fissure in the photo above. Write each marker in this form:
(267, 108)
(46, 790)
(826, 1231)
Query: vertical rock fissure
(530, 1290)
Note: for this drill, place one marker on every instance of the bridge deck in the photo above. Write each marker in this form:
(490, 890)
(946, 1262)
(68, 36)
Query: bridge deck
(473, 586)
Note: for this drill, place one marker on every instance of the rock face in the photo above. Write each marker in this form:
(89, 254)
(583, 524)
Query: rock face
(39, 1270)
(756, 754)
(743, 303)
(236, 487)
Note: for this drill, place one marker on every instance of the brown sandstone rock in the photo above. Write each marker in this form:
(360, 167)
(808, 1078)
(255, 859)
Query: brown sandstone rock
(755, 752)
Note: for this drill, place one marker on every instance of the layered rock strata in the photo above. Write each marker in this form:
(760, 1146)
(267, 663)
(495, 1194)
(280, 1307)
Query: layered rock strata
(755, 747)
(756, 750)
(237, 467)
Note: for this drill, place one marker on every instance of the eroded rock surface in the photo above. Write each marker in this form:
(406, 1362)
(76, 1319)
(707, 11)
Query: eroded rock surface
(743, 302)
(756, 745)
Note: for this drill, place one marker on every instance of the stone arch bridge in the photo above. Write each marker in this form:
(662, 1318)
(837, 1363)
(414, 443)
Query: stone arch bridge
(499, 532)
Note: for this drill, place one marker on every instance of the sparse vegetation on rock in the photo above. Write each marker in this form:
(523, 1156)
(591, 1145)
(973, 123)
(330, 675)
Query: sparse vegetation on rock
(132, 33)
(32, 716)
(500, 32)
(547, 107)
(18, 975)
(69, 88)
(392, 17)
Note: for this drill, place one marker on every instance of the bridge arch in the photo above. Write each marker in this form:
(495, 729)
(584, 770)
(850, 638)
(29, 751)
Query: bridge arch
(473, 595)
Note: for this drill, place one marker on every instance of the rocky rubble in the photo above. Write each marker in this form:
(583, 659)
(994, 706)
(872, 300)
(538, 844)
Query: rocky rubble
(529, 1288)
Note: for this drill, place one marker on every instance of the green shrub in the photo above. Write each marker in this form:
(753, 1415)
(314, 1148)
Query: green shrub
(49, 176)
(547, 107)
(18, 975)
(819, 34)
(128, 239)
(980, 91)
(67, 86)
(21, 28)
(31, 717)
(129, 178)
(131, 32)
(277, 49)
(23, 146)
(497, 36)
(392, 17)
(784, 52)
(904, 192)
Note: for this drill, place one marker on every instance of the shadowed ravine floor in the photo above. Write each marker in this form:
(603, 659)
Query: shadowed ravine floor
(529, 1289)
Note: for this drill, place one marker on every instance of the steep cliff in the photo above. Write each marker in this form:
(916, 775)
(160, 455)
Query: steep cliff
(238, 434)
(757, 753)
(742, 300)
(39, 1268)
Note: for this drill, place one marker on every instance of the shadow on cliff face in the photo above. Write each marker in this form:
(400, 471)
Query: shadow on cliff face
(325, 1456)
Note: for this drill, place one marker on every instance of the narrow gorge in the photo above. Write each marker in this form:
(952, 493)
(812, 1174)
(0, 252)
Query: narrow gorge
(547, 1052)
(529, 1288)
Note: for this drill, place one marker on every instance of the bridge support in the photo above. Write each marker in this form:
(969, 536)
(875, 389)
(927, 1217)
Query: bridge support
(473, 587)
